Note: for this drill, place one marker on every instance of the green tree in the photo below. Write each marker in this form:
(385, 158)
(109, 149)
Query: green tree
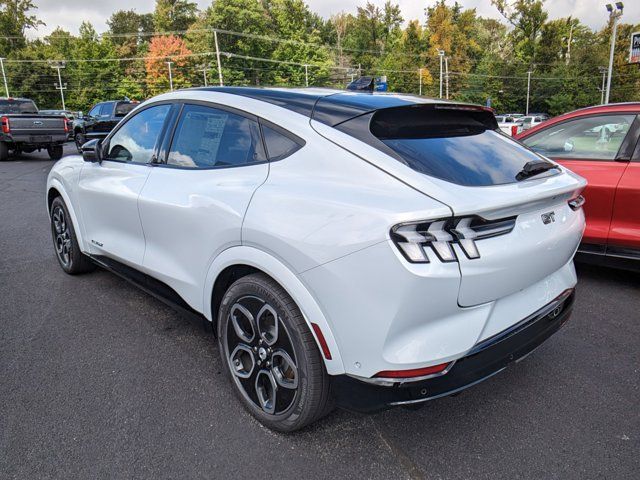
(174, 15)
(251, 18)
(527, 17)
(15, 19)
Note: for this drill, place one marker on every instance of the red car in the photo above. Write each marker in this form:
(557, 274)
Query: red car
(600, 144)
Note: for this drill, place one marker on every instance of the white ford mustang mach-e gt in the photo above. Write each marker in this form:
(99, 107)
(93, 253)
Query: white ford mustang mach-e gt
(364, 250)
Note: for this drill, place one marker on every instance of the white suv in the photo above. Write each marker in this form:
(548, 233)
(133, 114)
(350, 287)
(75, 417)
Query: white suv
(364, 250)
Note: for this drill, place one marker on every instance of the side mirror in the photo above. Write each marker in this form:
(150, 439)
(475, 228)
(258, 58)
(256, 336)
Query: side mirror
(92, 151)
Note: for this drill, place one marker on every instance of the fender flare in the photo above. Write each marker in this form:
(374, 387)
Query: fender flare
(57, 185)
(311, 311)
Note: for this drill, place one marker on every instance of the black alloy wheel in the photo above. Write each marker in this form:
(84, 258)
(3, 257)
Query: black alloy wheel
(271, 355)
(70, 258)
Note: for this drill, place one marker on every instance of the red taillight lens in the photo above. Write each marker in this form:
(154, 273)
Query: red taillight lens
(415, 372)
(514, 130)
(6, 128)
(323, 343)
(66, 125)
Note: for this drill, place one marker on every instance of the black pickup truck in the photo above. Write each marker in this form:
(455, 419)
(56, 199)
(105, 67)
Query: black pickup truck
(100, 120)
(23, 129)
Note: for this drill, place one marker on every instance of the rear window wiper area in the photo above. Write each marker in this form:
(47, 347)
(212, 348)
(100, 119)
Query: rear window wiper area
(535, 167)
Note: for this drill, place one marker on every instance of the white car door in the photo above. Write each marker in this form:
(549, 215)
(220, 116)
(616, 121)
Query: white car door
(193, 203)
(108, 191)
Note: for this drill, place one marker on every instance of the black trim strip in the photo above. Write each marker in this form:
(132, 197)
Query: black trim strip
(559, 303)
(152, 286)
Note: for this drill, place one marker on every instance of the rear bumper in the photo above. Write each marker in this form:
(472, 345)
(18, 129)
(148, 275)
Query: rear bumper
(35, 140)
(485, 359)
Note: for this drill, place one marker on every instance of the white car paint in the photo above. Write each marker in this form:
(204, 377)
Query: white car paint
(319, 223)
(506, 124)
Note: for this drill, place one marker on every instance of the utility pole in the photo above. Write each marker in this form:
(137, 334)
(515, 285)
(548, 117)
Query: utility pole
(420, 80)
(60, 86)
(306, 75)
(169, 63)
(203, 69)
(215, 38)
(526, 112)
(446, 75)
(613, 16)
(4, 76)
(441, 54)
(603, 71)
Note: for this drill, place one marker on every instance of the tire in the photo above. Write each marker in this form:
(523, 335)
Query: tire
(55, 152)
(277, 372)
(80, 140)
(68, 253)
(4, 152)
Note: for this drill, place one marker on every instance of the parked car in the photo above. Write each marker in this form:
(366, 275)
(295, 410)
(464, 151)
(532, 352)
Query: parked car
(365, 249)
(509, 124)
(100, 120)
(24, 129)
(533, 120)
(601, 144)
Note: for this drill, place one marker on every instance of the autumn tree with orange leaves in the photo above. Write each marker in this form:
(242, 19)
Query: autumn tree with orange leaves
(161, 50)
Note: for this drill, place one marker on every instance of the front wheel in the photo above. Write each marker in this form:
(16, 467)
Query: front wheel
(55, 152)
(80, 139)
(271, 356)
(71, 259)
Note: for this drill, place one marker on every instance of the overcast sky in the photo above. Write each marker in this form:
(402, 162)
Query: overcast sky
(70, 13)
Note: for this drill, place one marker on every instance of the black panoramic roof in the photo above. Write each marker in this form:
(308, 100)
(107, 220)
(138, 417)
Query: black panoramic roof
(331, 107)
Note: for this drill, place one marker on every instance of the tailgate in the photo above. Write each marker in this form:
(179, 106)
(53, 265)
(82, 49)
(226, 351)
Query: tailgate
(37, 125)
(543, 240)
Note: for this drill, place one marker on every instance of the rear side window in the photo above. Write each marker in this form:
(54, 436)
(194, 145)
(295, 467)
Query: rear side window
(278, 144)
(123, 108)
(209, 137)
(458, 146)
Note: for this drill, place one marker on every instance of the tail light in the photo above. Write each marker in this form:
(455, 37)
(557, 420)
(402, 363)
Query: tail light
(577, 202)
(6, 127)
(514, 130)
(417, 240)
(66, 125)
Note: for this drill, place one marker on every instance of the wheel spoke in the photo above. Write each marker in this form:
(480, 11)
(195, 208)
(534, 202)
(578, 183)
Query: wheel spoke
(57, 224)
(284, 370)
(242, 361)
(243, 322)
(267, 322)
(266, 390)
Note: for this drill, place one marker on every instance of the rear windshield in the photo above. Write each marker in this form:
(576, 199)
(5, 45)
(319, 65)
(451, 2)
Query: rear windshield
(18, 106)
(456, 146)
(123, 108)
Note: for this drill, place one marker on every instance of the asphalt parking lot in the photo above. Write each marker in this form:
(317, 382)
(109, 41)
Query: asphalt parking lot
(100, 380)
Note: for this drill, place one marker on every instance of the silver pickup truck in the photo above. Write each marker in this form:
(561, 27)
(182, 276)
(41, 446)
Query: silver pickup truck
(23, 129)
